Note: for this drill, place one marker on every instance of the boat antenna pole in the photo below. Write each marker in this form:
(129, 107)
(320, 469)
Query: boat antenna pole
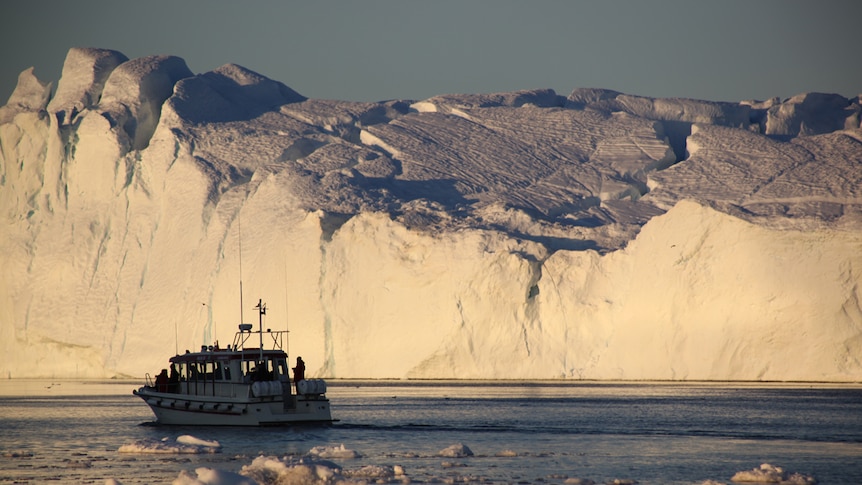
(261, 310)
(239, 230)
(286, 312)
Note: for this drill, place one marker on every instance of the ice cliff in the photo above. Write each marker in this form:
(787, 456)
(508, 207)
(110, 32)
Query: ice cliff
(523, 235)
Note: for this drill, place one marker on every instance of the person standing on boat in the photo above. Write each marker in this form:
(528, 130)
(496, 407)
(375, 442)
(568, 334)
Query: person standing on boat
(174, 379)
(162, 381)
(298, 372)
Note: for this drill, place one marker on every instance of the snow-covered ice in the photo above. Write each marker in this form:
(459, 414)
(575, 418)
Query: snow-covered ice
(314, 470)
(272, 470)
(522, 235)
(459, 450)
(184, 444)
(767, 473)
(331, 452)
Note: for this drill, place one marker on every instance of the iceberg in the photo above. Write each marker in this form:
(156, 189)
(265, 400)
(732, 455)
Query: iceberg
(522, 235)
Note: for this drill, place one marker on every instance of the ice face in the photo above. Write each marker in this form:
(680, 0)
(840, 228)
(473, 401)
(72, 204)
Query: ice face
(513, 235)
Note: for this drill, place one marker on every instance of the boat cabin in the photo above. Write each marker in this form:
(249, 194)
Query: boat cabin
(230, 372)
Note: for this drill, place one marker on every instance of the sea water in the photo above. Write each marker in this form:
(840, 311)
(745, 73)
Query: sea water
(454, 432)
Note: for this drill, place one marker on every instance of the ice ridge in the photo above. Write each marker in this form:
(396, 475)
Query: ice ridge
(522, 235)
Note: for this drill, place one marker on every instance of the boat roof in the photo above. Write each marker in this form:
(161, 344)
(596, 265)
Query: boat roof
(224, 354)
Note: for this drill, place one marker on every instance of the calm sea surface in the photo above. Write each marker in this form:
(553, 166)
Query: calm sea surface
(520, 433)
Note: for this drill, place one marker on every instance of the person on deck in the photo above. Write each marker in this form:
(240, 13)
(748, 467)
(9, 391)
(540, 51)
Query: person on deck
(162, 381)
(174, 379)
(298, 372)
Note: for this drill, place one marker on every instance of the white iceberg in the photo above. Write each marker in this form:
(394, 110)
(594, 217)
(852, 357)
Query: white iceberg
(520, 235)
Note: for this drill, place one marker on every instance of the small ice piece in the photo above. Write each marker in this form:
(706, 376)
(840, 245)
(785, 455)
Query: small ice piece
(333, 452)
(767, 473)
(209, 476)
(191, 440)
(168, 446)
(269, 469)
(372, 471)
(455, 451)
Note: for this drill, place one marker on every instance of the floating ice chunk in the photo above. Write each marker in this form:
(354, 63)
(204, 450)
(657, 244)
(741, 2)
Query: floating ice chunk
(269, 469)
(191, 440)
(579, 481)
(374, 471)
(184, 444)
(455, 451)
(208, 476)
(767, 473)
(333, 452)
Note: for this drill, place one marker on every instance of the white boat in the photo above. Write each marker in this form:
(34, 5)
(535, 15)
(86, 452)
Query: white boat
(237, 386)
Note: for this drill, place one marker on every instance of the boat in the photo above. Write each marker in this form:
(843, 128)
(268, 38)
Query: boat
(237, 386)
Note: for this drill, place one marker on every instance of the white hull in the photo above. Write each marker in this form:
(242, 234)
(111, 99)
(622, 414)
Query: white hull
(184, 409)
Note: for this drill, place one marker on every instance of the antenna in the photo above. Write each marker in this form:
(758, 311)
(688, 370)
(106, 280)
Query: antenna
(261, 311)
(286, 311)
(239, 230)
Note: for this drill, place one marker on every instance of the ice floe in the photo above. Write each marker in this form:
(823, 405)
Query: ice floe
(185, 444)
(767, 473)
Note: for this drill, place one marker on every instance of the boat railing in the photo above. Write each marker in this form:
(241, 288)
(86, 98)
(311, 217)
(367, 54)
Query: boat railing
(275, 338)
(246, 331)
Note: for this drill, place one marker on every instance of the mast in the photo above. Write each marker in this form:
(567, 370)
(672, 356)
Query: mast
(239, 230)
(261, 311)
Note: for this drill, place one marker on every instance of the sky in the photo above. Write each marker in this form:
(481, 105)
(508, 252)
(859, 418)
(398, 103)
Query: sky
(374, 50)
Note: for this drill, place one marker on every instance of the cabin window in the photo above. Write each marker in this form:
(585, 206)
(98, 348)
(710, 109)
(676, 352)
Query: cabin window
(248, 367)
(280, 368)
(190, 371)
(256, 370)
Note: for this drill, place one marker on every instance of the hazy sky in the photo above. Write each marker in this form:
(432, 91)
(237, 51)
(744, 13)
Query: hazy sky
(386, 49)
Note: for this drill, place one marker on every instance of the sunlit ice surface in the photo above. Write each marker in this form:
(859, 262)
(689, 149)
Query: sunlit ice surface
(523, 235)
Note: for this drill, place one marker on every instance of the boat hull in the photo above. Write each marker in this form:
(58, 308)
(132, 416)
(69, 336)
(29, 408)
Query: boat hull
(192, 410)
